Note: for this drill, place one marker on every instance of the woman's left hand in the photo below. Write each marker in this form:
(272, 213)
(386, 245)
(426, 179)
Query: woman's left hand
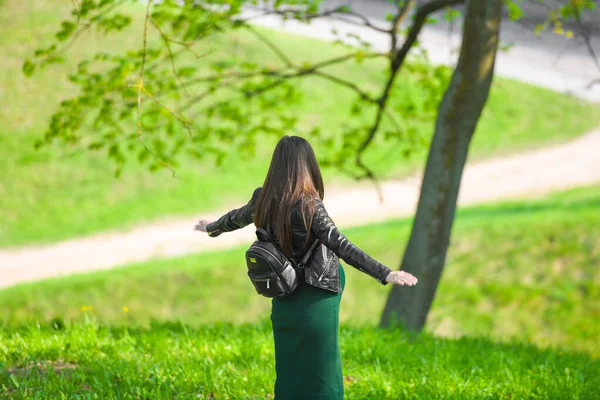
(201, 225)
(401, 278)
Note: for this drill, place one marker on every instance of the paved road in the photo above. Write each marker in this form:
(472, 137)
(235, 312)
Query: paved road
(549, 60)
(528, 174)
(522, 31)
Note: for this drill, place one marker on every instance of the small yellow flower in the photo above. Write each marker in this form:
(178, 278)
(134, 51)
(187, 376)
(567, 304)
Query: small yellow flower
(349, 380)
(569, 34)
(86, 308)
(559, 31)
(125, 309)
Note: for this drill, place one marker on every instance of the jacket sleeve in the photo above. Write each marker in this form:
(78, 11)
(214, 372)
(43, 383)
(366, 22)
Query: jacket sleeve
(234, 219)
(324, 228)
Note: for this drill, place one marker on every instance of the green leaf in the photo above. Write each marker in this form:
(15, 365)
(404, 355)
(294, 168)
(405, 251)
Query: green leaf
(590, 4)
(54, 59)
(567, 11)
(28, 68)
(343, 9)
(389, 17)
(539, 28)
(154, 167)
(38, 143)
(451, 14)
(68, 28)
(86, 6)
(95, 146)
(506, 46)
(514, 11)
(117, 23)
(360, 56)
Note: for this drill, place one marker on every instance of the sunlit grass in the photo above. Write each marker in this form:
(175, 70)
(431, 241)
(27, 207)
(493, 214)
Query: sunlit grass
(522, 270)
(237, 362)
(61, 192)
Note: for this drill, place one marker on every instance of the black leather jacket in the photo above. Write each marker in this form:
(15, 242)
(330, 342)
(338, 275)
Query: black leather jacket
(322, 268)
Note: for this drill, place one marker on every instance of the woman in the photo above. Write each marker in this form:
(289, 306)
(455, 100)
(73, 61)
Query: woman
(305, 324)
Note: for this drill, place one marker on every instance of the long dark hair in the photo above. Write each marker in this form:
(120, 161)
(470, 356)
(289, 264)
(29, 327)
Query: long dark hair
(293, 176)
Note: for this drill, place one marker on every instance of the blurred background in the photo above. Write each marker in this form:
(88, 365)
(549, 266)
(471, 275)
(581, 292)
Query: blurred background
(85, 234)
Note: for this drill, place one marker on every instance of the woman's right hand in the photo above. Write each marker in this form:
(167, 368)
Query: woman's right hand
(401, 278)
(201, 225)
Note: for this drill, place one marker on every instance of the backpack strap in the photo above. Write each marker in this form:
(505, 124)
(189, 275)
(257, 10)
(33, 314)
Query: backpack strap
(263, 235)
(308, 253)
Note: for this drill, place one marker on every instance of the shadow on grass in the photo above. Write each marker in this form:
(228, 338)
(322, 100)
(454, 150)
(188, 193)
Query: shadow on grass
(237, 360)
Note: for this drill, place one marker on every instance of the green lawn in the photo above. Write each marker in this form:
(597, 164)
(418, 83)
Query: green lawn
(222, 361)
(61, 192)
(525, 270)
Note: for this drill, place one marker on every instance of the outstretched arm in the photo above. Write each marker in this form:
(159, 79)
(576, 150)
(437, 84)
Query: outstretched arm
(234, 219)
(324, 228)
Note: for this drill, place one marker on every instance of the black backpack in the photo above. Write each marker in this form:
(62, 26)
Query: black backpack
(271, 272)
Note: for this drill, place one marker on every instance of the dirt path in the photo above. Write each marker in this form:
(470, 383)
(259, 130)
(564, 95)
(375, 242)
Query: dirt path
(524, 175)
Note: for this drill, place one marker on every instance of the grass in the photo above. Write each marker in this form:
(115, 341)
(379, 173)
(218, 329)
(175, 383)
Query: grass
(523, 271)
(88, 360)
(61, 192)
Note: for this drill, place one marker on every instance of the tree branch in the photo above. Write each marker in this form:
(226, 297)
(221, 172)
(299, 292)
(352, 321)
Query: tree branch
(397, 61)
(270, 45)
(419, 21)
(283, 76)
(363, 95)
(76, 5)
(401, 16)
(140, 87)
(588, 42)
(335, 13)
(592, 84)
(180, 83)
(188, 45)
(365, 21)
(85, 27)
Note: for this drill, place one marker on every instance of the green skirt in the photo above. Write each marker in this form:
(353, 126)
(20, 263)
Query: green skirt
(308, 362)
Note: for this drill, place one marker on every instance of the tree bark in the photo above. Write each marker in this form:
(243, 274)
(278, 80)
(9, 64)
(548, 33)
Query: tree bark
(458, 114)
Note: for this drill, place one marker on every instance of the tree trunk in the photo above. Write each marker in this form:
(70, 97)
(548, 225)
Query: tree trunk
(457, 118)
